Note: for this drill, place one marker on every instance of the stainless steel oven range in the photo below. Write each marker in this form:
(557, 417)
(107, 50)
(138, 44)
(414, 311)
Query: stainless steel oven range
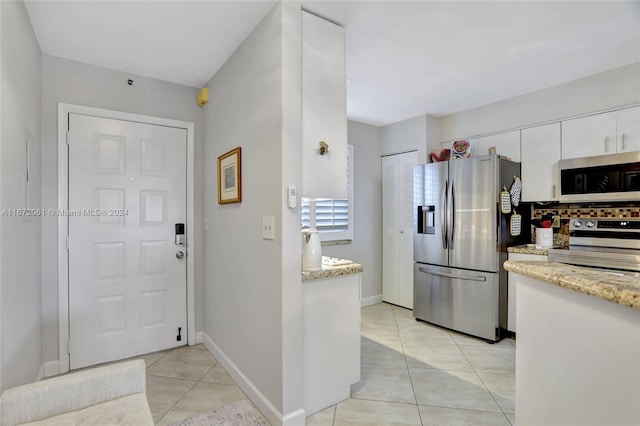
(612, 245)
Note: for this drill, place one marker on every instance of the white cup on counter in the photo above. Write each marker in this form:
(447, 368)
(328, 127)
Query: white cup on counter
(544, 238)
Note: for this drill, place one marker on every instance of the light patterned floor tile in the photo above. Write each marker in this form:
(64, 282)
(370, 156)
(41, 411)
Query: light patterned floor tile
(503, 389)
(448, 388)
(164, 392)
(445, 357)
(384, 383)
(384, 356)
(354, 412)
(491, 358)
(217, 374)
(436, 416)
(183, 363)
(322, 418)
(201, 398)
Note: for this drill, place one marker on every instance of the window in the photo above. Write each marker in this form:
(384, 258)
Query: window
(332, 218)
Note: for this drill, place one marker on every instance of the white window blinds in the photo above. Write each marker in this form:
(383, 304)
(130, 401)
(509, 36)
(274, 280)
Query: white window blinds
(333, 218)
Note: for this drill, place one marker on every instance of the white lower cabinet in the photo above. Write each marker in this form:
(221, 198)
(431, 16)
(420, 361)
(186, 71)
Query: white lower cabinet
(331, 327)
(511, 295)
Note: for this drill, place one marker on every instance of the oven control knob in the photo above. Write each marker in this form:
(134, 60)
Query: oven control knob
(590, 224)
(577, 223)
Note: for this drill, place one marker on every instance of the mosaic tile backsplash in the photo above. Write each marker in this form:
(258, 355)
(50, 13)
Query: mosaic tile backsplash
(566, 213)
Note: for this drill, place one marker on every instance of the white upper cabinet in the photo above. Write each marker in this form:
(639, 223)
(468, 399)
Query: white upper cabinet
(539, 167)
(628, 137)
(507, 144)
(589, 136)
(324, 109)
(606, 133)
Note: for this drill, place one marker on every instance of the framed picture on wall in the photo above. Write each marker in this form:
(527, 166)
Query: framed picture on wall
(230, 177)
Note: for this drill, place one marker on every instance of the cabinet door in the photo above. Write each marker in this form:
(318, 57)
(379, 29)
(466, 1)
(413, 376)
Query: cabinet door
(628, 129)
(511, 292)
(589, 136)
(324, 109)
(539, 166)
(507, 144)
(331, 325)
(397, 228)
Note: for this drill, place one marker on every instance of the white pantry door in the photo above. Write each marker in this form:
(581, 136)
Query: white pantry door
(127, 284)
(397, 228)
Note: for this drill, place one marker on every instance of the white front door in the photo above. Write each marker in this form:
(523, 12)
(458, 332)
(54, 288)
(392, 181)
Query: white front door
(127, 280)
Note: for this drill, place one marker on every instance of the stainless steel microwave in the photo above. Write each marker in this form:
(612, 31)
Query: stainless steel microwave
(613, 177)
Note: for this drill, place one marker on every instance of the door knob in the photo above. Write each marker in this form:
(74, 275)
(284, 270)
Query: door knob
(180, 254)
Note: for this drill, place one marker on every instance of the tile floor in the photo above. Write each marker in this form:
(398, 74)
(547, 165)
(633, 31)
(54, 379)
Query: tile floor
(187, 381)
(413, 373)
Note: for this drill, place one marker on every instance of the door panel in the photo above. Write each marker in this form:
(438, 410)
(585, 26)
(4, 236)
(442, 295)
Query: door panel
(460, 300)
(127, 189)
(397, 235)
(430, 190)
(474, 205)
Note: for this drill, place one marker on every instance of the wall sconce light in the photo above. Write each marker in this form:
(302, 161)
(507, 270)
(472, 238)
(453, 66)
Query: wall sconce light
(324, 148)
(203, 96)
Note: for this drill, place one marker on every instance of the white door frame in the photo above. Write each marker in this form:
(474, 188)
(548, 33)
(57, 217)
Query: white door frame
(63, 202)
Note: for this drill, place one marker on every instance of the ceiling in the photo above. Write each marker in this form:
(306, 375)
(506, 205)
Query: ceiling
(404, 58)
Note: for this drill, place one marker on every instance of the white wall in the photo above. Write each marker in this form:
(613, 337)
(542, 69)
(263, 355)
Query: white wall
(406, 135)
(252, 289)
(81, 84)
(366, 246)
(606, 90)
(20, 319)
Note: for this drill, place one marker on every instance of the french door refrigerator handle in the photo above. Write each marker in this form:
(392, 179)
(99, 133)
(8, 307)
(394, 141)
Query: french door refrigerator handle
(452, 212)
(443, 218)
(459, 277)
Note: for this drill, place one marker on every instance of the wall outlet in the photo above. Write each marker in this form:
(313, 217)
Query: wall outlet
(268, 228)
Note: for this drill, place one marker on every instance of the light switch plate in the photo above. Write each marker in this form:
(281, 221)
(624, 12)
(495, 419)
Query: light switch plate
(268, 228)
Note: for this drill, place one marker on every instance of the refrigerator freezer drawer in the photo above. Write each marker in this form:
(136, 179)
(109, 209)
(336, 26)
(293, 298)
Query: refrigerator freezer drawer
(465, 301)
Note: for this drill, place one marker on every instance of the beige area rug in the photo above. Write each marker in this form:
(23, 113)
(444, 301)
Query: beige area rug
(239, 413)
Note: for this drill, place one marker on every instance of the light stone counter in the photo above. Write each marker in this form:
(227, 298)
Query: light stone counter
(531, 249)
(528, 249)
(332, 271)
(618, 289)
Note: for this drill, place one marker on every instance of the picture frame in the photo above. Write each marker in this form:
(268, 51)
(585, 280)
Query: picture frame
(230, 177)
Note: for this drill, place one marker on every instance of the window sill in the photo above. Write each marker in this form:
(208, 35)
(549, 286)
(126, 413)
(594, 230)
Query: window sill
(335, 243)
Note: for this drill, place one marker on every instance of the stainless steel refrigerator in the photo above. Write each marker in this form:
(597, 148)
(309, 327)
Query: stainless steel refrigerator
(460, 243)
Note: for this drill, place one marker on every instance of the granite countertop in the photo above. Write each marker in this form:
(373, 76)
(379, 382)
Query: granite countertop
(332, 271)
(531, 249)
(528, 249)
(624, 290)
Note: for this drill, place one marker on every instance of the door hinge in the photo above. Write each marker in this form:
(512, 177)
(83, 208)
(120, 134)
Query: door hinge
(69, 347)
(68, 137)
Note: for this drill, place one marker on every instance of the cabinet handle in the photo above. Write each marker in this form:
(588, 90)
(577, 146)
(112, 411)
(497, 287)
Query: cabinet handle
(624, 137)
(606, 143)
(553, 191)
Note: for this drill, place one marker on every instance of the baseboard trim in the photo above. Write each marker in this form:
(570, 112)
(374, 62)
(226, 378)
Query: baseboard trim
(198, 337)
(273, 415)
(48, 369)
(297, 418)
(372, 300)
